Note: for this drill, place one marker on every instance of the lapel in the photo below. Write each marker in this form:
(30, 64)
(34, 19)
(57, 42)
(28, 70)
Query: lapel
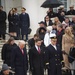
(54, 48)
(19, 51)
(36, 50)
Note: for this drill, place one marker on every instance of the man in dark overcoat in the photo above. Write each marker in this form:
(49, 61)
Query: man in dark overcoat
(51, 13)
(31, 42)
(59, 34)
(54, 57)
(71, 11)
(2, 22)
(36, 59)
(19, 61)
(24, 23)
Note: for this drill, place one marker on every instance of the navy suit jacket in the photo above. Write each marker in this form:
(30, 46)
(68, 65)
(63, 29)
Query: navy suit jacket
(24, 23)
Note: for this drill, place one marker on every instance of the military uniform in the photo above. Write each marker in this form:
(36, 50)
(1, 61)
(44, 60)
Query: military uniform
(54, 57)
(54, 60)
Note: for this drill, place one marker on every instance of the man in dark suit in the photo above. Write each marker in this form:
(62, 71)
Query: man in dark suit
(59, 34)
(24, 23)
(54, 57)
(51, 13)
(19, 61)
(36, 58)
(2, 23)
(31, 42)
(71, 11)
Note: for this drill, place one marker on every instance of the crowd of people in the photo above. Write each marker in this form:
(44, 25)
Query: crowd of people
(18, 24)
(52, 43)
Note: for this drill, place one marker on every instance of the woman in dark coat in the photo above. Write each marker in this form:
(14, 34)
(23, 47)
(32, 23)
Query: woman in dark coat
(42, 32)
(11, 24)
(24, 23)
(6, 51)
(16, 21)
(48, 22)
(13, 18)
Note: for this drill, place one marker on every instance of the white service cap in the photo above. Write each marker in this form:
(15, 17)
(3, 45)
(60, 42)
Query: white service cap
(52, 35)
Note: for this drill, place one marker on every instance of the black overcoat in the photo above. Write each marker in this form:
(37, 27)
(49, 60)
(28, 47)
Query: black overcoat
(54, 58)
(71, 56)
(50, 23)
(14, 22)
(19, 61)
(36, 61)
(59, 37)
(11, 24)
(2, 22)
(70, 12)
(24, 23)
(6, 53)
(31, 42)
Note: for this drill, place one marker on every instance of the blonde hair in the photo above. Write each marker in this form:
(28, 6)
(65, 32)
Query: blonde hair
(69, 33)
(57, 21)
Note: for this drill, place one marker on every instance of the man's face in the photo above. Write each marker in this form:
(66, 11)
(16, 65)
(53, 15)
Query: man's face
(38, 43)
(22, 10)
(36, 37)
(50, 9)
(54, 26)
(73, 19)
(58, 28)
(54, 41)
(6, 72)
(12, 42)
(41, 25)
(71, 8)
(22, 46)
(1, 8)
(67, 20)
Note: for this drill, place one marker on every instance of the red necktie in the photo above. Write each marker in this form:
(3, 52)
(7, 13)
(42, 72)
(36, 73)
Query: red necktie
(22, 51)
(39, 49)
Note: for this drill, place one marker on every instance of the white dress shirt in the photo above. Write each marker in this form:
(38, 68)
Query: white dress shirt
(37, 47)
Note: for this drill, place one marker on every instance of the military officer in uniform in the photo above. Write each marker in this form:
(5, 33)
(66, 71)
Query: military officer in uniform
(53, 57)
